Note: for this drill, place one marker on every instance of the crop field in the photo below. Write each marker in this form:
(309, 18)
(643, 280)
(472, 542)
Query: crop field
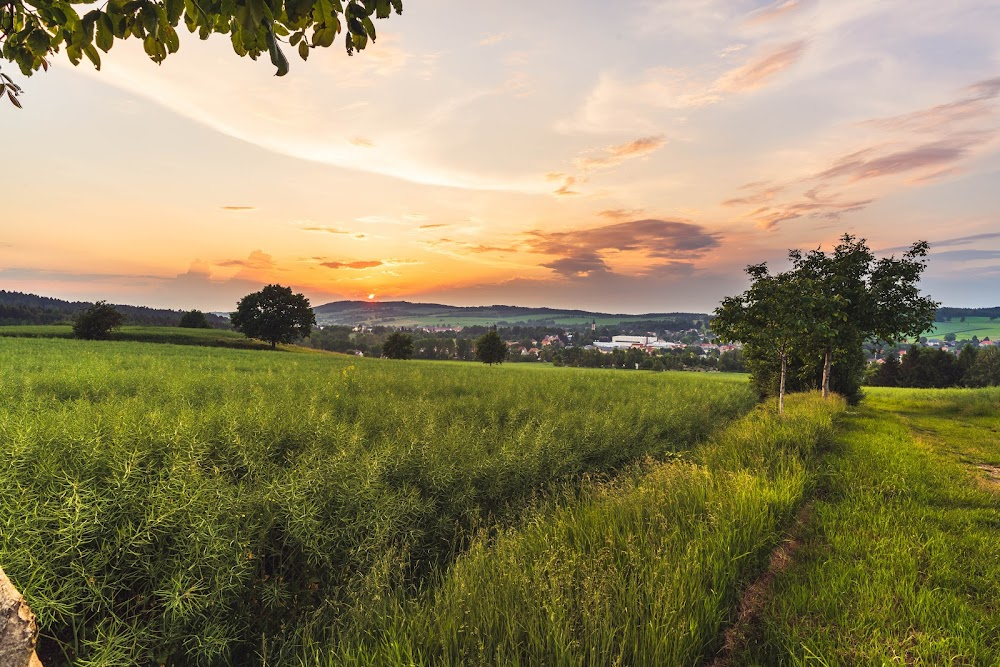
(172, 335)
(982, 327)
(901, 560)
(166, 504)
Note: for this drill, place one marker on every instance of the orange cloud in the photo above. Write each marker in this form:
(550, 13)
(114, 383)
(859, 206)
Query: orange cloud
(370, 264)
(772, 12)
(615, 155)
(239, 208)
(758, 71)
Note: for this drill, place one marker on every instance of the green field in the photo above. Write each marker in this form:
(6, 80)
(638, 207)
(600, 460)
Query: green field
(901, 560)
(982, 327)
(198, 505)
(183, 505)
(172, 335)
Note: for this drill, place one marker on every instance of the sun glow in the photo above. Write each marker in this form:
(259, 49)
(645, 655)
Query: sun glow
(371, 296)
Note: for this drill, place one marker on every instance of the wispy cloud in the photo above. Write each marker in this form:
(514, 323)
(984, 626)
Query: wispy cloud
(911, 149)
(239, 208)
(364, 264)
(760, 70)
(496, 38)
(465, 246)
(333, 230)
(256, 260)
(616, 102)
(615, 155)
(772, 12)
(621, 213)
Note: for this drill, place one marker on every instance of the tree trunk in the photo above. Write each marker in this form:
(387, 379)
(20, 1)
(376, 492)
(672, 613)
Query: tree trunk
(781, 387)
(18, 631)
(827, 364)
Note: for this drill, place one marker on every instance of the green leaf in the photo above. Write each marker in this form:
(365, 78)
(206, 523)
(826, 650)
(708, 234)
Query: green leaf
(105, 33)
(174, 10)
(304, 50)
(92, 53)
(278, 58)
(38, 42)
(170, 38)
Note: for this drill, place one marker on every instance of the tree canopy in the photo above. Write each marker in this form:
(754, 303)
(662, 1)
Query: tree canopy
(816, 316)
(398, 346)
(274, 315)
(97, 321)
(32, 30)
(490, 348)
(194, 319)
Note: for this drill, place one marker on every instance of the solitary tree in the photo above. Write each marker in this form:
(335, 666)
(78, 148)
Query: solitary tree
(398, 346)
(194, 319)
(97, 321)
(490, 348)
(275, 315)
(32, 30)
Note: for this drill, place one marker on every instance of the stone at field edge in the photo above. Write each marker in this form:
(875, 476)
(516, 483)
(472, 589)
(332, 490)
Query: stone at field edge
(18, 630)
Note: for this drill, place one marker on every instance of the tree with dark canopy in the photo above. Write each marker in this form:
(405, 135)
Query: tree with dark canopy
(97, 321)
(274, 315)
(490, 348)
(194, 319)
(398, 346)
(807, 327)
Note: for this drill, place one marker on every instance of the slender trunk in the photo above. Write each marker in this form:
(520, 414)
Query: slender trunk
(781, 387)
(827, 363)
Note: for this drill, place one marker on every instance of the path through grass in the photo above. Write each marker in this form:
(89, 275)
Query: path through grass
(900, 563)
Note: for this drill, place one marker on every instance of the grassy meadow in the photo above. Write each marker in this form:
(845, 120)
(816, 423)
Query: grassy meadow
(171, 335)
(900, 562)
(982, 327)
(184, 505)
(180, 505)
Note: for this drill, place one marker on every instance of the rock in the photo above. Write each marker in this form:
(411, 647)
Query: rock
(18, 631)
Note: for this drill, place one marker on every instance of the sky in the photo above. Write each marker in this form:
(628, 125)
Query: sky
(625, 157)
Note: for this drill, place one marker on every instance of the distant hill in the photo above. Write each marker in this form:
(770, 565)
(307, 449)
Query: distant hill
(18, 308)
(408, 314)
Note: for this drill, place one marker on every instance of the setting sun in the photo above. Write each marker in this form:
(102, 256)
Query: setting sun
(371, 296)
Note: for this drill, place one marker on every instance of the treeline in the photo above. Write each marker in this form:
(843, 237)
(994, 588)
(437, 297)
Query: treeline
(925, 367)
(677, 359)
(18, 308)
(946, 314)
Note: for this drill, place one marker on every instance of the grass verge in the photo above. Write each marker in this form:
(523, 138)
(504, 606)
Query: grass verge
(900, 563)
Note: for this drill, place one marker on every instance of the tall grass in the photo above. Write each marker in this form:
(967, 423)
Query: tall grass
(901, 561)
(179, 505)
(642, 571)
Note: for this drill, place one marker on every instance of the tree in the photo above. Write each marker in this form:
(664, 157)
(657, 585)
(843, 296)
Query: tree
(490, 348)
(32, 30)
(274, 315)
(949, 337)
(398, 346)
(767, 319)
(194, 319)
(97, 321)
(985, 368)
(808, 326)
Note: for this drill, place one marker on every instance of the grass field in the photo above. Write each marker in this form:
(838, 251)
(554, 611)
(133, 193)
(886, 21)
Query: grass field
(195, 505)
(900, 563)
(982, 327)
(171, 335)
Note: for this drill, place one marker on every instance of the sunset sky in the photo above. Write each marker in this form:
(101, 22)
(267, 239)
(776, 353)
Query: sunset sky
(630, 156)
